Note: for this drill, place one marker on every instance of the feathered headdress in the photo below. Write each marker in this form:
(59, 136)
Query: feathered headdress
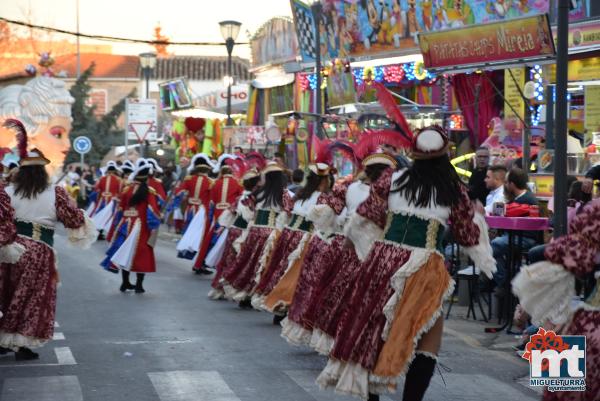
(388, 103)
(18, 126)
(370, 140)
(35, 157)
(256, 159)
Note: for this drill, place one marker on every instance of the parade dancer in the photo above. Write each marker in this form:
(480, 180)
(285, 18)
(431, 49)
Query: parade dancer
(155, 183)
(330, 267)
(271, 204)
(28, 287)
(127, 168)
(107, 190)
(288, 253)
(393, 324)
(135, 237)
(195, 192)
(546, 291)
(236, 222)
(223, 193)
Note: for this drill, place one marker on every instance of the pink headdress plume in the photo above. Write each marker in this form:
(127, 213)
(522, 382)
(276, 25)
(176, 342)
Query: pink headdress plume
(256, 159)
(18, 126)
(391, 108)
(371, 140)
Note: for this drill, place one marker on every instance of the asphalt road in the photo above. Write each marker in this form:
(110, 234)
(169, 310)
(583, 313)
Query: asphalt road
(174, 344)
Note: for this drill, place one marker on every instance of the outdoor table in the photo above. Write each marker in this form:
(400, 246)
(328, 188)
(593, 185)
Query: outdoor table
(514, 226)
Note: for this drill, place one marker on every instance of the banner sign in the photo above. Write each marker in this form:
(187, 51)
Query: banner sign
(512, 92)
(586, 69)
(383, 28)
(518, 39)
(583, 35)
(592, 108)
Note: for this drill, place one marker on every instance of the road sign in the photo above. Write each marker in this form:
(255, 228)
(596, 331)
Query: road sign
(142, 119)
(82, 145)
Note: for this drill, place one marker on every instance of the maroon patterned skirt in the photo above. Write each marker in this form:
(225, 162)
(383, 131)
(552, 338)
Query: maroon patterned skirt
(358, 336)
(319, 268)
(286, 244)
(28, 297)
(241, 275)
(228, 258)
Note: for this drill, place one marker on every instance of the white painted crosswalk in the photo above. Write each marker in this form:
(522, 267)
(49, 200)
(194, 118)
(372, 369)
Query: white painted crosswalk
(201, 385)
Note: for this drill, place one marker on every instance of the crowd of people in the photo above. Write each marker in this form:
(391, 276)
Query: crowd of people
(352, 267)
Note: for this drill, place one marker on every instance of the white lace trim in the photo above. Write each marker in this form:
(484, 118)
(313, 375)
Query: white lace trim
(323, 218)
(232, 293)
(345, 378)
(294, 333)
(321, 342)
(84, 236)
(216, 294)
(363, 233)
(482, 254)
(282, 220)
(545, 291)
(14, 341)
(258, 301)
(418, 257)
(237, 244)
(11, 253)
(264, 256)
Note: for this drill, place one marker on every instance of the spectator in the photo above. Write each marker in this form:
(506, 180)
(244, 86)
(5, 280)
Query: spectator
(592, 175)
(297, 178)
(516, 191)
(477, 182)
(494, 182)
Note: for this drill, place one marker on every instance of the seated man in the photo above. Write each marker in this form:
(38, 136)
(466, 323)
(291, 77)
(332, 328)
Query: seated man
(516, 191)
(494, 181)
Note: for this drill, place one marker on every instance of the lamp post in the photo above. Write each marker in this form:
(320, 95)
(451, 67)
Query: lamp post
(317, 9)
(147, 63)
(229, 31)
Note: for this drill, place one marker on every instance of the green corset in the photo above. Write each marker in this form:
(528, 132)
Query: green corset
(240, 223)
(265, 218)
(35, 231)
(300, 223)
(414, 231)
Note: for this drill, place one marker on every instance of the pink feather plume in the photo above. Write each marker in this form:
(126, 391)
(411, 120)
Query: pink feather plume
(391, 108)
(18, 126)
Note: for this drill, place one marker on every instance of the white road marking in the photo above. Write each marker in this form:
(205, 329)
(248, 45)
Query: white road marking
(306, 380)
(190, 385)
(64, 356)
(58, 336)
(48, 388)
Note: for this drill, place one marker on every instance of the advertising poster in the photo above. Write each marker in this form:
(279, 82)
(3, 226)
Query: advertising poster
(340, 86)
(592, 108)
(512, 93)
(274, 43)
(380, 28)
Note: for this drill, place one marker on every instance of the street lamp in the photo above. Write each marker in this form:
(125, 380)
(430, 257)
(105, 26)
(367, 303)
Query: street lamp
(147, 63)
(229, 31)
(317, 10)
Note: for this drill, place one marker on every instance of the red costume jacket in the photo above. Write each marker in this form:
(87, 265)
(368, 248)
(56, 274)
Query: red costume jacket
(107, 188)
(196, 189)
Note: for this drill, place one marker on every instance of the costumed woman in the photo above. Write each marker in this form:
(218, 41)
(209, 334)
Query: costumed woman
(234, 221)
(268, 209)
(393, 322)
(127, 168)
(328, 271)
(133, 247)
(275, 287)
(546, 291)
(223, 193)
(28, 287)
(107, 191)
(194, 191)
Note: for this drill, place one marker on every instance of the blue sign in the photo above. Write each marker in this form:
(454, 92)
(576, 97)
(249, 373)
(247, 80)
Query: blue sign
(82, 145)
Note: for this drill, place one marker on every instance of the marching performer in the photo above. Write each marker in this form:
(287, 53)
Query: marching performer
(289, 249)
(392, 324)
(236, 223)
(155, 183)
(329, 268)
(28, 298)
(107, 191)
(223, 193)
(195, 192)
(270, 205)
(546, 291)
(133, 247)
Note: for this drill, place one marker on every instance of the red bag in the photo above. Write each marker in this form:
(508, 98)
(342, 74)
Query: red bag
(517, 210)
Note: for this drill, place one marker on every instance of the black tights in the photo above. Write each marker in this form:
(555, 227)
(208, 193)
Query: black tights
(417, 379)
(139, 277)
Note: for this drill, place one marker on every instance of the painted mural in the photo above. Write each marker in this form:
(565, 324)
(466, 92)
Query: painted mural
(358, 28)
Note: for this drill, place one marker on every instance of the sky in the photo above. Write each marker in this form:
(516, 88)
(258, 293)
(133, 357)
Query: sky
(181, 20)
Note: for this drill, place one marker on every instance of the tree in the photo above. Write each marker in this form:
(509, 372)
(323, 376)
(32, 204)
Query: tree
(103, 132)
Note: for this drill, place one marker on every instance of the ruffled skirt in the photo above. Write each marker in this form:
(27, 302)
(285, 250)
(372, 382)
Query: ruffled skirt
(240, 279)
(28, 297)
(228, 259)
(396, 297)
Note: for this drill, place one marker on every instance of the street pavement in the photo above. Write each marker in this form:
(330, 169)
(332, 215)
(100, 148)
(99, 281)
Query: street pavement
(174, 344)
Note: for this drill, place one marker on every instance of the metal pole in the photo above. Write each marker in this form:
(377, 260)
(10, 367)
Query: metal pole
(550, 117)
(126, 129)
(81, 187)
(476, 136)
(147, 76)
(229, 43)
(560, 155)
(316, 11)
(78, 53)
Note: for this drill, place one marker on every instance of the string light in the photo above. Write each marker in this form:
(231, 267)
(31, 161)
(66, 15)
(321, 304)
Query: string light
(312, 79)
(358, 75)
(393, 74)
(409, 71)
(538, 79)
(378, 74)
